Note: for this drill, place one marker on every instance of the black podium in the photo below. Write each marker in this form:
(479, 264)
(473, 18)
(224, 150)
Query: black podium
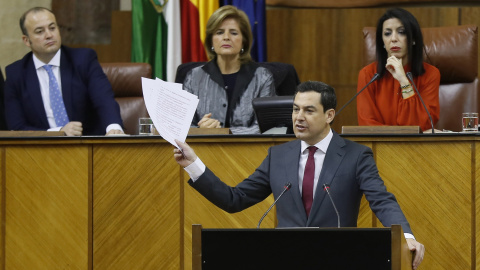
(300, 248)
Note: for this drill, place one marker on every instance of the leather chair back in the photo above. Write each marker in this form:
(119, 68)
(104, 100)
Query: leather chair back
(454, 51)
(126, 82)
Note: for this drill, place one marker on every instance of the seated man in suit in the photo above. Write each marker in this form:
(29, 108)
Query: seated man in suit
(319, 157)
(58, 88)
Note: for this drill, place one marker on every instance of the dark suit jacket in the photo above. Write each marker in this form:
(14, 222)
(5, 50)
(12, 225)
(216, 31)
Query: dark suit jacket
(349, 169)
(87, 93)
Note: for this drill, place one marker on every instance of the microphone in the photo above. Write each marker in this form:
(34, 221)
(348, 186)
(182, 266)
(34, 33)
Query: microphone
(374, 78)
(410, 77)
(286, 187)
(327, 189)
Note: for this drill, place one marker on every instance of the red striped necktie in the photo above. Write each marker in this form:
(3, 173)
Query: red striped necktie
(308, 176)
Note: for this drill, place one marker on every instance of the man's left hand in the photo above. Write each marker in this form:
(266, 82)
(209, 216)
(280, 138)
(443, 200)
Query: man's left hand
(418, 250)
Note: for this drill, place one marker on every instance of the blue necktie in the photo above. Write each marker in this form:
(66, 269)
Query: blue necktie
(56, 100)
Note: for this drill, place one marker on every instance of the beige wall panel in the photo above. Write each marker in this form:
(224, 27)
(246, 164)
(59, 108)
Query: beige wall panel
(432, 183)
(11, 45)
(136, 207)
(47, 207)
(232, 163)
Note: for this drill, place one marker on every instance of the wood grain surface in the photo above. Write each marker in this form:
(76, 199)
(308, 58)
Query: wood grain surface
(124, 203)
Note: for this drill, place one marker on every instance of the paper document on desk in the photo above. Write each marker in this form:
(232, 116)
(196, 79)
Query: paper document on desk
(170, 107)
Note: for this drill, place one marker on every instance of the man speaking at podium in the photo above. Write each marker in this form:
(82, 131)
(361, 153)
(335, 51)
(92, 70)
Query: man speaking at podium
(318, 162)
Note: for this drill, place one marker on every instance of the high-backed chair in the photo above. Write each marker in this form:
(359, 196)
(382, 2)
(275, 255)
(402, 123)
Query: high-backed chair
(454, 51)
(284, 75)
(126, 82)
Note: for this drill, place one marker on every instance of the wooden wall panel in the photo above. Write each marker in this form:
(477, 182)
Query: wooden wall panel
(232, 163)
(119, 49)
(2, 207)
(432, 183)
(327, 44)
(476, 209)
(110, 203)
(85, 21)
(46, 222)
(136, 218)
(349, 3)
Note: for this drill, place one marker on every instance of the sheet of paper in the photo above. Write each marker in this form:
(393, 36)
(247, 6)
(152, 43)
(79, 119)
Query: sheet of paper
(170, 107)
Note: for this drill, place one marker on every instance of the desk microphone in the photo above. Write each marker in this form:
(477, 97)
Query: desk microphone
(286, 187)
(327, 189)
(409, 75)
(374, 78)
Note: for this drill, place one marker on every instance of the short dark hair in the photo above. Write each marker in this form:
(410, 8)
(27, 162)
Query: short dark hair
(328, 98)
(414, 35)
(24, 16)
(215, 21)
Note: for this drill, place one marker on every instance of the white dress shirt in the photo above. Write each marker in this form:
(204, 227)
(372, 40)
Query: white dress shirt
(43, 79)
(197, 168)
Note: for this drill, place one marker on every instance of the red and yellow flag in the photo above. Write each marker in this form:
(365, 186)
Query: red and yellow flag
(195, 14)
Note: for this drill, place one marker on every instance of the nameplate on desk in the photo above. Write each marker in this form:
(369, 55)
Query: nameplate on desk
(381, 130)
(209, 131)
(30, 133)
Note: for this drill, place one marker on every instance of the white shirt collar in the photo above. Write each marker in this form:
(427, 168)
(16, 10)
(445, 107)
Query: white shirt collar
(322, 145)
(54, 62)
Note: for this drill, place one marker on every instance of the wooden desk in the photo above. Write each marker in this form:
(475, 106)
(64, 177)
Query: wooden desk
(123, 202)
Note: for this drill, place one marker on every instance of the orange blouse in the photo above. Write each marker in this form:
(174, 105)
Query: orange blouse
(382, 102)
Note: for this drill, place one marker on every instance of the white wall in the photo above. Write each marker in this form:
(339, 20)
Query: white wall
(127, 4)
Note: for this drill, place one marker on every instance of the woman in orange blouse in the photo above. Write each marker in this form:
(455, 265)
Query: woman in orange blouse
(391, 99)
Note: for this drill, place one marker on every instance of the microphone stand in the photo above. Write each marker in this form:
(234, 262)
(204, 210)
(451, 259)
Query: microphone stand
(409, 75)
(374, 78)
(327, 189)
(287, 187)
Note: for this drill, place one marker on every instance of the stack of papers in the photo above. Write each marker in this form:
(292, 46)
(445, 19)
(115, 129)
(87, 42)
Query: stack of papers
(170, 107)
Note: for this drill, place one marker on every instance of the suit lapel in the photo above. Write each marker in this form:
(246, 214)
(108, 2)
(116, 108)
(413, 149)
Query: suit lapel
(292, 157)
(33, 89)
(333, 159)
(66, 73)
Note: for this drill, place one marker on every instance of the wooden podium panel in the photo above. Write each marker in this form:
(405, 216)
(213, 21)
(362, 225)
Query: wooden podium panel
(476, 212)
(47, 207)
(232, 162)
(136, 211)
(124, 203)
(432, 182)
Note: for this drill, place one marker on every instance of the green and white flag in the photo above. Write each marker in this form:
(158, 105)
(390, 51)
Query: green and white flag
(156, 36)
